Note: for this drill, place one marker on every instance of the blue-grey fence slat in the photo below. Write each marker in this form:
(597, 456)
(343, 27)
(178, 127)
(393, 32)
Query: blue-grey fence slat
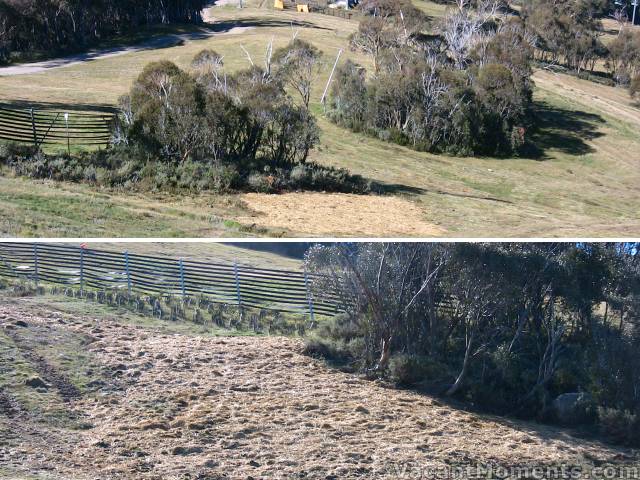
(280, 290)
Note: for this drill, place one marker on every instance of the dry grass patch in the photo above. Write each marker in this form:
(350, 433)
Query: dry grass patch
(208, 406)
(346, 215)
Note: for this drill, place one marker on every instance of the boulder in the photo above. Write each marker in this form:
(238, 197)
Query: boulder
(574, 408)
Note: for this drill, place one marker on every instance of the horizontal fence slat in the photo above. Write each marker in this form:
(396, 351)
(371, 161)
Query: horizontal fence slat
(51, 127)
(269, 289)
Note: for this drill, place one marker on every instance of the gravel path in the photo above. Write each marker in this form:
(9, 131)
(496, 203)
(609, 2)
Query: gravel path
(154, 43)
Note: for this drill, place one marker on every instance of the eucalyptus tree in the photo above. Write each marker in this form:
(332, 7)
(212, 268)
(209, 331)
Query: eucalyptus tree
(299, 65)
(507, 326)
(35, 25)
(386, 288)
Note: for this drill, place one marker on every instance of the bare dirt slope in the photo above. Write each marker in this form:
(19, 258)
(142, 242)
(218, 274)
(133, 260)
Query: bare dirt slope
(184, 406)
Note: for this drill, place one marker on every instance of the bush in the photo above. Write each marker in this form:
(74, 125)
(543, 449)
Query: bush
(338, 340)
(205, 176)
(331, 350)
(620, 426)
(11, 150)
(408, 370)
(634, 87)
(260, 182)
(320, 178)
(129, 167)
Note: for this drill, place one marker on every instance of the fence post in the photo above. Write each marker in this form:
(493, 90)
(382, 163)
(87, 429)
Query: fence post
(126, 267)
(181, 263)
(33, 127)
(235, 271)
(309, 297)
(35, 262)
(66, 122)
(81, 271)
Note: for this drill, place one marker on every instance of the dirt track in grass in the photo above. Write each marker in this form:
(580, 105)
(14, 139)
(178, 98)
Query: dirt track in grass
(184, 406)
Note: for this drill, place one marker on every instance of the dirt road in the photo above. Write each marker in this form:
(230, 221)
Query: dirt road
(154, 43)
(182, 406)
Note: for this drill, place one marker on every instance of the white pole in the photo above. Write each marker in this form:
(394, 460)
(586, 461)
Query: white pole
(66, 121)
(326, 89)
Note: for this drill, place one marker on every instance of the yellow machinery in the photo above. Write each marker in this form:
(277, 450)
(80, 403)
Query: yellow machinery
(284, 4)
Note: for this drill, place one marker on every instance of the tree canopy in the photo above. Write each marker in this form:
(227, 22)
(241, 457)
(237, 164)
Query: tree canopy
(507, 327)
(56, 25)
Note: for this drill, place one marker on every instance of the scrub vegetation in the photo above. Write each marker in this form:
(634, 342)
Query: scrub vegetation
(544, 331)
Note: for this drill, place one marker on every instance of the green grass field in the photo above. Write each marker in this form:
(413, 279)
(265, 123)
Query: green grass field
(269, 256)
(581, 179)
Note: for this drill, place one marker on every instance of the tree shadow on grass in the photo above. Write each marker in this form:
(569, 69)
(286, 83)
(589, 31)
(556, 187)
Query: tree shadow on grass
(571, 436)
(257, 22)
(397, 188)
(566, 131)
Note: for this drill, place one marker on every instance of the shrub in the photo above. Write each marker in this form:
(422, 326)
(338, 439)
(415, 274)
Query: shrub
(12, 150)
(409, 369)
(260, 182)
(207, 59)
(128, 167)
(320, 178)
(620, 426)
(334, 351)
(634, 87)
(347, 105)
(406, 369)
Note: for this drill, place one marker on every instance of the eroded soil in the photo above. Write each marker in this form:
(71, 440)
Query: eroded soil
(182, 406)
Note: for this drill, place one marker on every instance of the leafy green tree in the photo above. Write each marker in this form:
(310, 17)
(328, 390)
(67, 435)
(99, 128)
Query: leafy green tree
(298, 66)
(348, 98)
(247, 120)
(464, 92)
(28, 26)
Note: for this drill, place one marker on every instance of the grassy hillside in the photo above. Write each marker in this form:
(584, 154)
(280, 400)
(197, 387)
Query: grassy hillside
(582, 177)
(87, 392)
(210, 252)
